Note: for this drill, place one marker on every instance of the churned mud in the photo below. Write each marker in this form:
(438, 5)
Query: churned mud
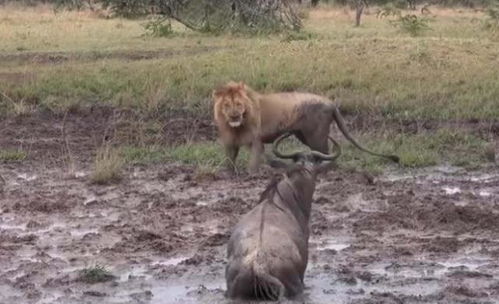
(425, 236)
(429, 236)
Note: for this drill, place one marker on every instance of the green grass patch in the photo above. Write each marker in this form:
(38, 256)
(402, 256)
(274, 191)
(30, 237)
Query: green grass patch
(415, 151)
(421, 150)
(204, 155)
(7, 156)
(144, 155)
(96, 274)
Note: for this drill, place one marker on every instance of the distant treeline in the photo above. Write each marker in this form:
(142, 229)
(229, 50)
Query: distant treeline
(412, 3)
(399, 3)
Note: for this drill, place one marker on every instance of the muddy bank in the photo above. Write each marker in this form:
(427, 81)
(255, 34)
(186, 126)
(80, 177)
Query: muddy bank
(52, 138)
(53, 58)
(429, 236)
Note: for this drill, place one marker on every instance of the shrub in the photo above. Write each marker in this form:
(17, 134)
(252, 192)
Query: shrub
(159, 27)
(411, 24)
(492, 21)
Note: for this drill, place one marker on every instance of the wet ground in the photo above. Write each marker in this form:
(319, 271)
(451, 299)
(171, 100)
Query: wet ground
(428, 236)
(425, 236)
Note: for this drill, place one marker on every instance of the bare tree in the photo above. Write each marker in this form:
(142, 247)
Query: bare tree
(411, 4)
(226, 14)
(359, 9)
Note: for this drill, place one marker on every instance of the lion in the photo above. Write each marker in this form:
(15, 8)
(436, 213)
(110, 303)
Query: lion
(245, 117)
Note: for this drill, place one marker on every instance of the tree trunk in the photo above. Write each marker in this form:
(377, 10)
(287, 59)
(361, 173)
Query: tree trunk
(358, 12)
(412, 4)
(314, 2)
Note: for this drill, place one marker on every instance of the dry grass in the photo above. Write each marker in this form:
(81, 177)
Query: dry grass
(447, 73)
(73, 58)
(108, 166)
(41, 29)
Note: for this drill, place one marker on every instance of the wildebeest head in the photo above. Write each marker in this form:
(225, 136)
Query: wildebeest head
(305, 164)
(313, 161)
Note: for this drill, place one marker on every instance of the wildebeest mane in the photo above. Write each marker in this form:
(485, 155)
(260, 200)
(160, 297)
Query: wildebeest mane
(269, 190)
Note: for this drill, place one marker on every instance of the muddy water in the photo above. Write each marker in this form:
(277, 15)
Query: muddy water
(427, 236)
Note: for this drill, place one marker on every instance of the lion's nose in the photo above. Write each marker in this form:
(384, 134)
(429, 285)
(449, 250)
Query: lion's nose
(234, 116)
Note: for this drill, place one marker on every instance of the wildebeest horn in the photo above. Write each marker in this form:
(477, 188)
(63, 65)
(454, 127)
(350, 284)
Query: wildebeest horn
(276, 151)
(329, 157)
(317, 154)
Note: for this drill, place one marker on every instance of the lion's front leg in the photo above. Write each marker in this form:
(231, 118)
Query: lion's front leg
(256, 155)
(231, 151)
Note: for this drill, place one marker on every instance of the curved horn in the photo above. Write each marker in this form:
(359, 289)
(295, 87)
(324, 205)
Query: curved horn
(329, 157)
(276, 151)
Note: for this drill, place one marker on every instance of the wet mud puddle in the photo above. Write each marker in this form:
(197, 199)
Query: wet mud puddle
(429, 236)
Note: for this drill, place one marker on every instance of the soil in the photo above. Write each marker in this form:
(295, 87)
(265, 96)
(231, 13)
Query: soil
(53, 58)
(419, 236)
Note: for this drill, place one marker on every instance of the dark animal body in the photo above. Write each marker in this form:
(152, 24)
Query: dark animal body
(268, 248)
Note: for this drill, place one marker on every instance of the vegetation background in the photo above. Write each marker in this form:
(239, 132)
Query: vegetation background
(416, 78)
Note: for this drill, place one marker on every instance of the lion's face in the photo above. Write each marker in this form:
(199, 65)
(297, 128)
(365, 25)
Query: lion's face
(233, 109)
(233, 103)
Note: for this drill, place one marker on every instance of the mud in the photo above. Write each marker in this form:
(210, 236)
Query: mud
(54, 58)
(403, 237)
(52, 138)
(424, 236)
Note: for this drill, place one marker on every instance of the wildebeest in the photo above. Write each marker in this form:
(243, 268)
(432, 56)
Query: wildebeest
(268, 248)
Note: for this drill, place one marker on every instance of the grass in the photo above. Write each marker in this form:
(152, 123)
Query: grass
(108, 166)
(96, 274)
(61, 61)
(453, 146)
(7, 156)
(447, 73)
(207, 156)
(420, 150)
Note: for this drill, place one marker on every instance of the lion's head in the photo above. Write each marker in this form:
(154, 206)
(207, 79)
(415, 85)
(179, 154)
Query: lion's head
(232, 102)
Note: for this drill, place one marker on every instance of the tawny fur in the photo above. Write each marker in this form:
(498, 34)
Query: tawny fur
(258, 119)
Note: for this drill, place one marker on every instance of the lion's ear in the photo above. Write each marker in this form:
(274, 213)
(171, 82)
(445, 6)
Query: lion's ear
(216, 94)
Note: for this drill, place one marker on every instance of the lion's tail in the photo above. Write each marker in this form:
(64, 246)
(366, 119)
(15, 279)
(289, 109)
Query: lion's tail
(341, 125)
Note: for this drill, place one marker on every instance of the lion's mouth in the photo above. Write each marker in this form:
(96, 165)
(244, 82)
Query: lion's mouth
(235, 124)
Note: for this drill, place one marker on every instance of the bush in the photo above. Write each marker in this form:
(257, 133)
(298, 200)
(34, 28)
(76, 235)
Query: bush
(389, 10)
(159, 27)
(411, 24)
(207, 15)
(72, 4)
(492, 22)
